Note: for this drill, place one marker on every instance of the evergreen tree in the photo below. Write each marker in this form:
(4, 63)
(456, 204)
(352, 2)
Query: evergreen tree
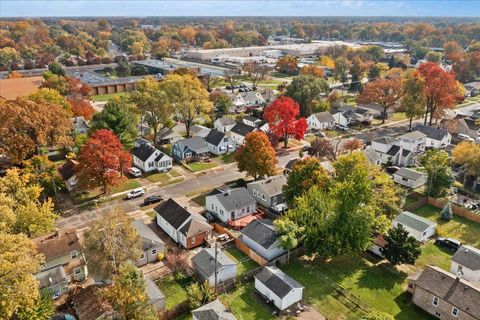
(401, 247)
(447, 213)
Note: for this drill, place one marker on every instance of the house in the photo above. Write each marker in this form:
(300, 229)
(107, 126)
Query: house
(260, 236)
(67, 171)
(268, 192)
(435, 137)
(231, 205)
(156, 298)
(321, 121)
(372, 156)
(376, 110)
(418, 227)
(276, 286)
(472, 88)
(152, 245)
(252, 121)
(444, 295)
(199, 131)
(413, 141)
(340, 119)
(219, 143)
(402, 151)
(187, 229)
(214, 310)
(190, 149)
(224, 124)
(167, 136)
(242, 101)
(204, 266)
(410, 178)
(79, 124)
(466, 263)
(64, 261)
(240, 131)
(148, 158)
(463, 125)
(379, 242)
(346, 115)
(289, 166)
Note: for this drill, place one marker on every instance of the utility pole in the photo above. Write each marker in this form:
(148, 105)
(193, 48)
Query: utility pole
(215, 265)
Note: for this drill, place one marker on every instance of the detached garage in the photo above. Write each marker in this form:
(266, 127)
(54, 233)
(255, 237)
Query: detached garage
(275, 285)
(417, 227)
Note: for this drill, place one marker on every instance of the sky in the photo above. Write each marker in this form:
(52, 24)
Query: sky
(82, 8)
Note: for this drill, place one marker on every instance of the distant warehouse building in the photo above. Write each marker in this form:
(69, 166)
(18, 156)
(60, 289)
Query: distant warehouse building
(101, 84)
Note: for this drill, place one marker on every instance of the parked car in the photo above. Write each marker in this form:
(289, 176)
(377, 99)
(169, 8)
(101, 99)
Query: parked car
(152, 199)
(465, 137)
(135, 172)
(135, 193)
(342, 127)
(448, 243)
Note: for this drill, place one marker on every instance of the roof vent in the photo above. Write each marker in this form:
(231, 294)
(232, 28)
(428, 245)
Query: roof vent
(466, 250)
(227, 193)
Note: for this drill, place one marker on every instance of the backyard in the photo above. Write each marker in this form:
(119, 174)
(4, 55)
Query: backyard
(244, 263)
(174, 289)
(244, 305)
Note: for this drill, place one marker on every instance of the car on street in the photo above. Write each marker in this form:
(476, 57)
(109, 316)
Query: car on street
(135, 193)
(448, 243)
(152, 199)
(135, 172)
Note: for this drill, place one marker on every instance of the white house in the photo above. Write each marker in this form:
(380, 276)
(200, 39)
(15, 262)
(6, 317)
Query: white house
(168, 136)
(261, 237)
(212, 310)
(224, 124)
(231, 205)
(435, 137)
(410, 178)
(239, 132)
(204, 266)
(148, 159)
(199, 131)
(417, 227)
(321, 121)
(219, 143)
(466, 263)
(243, 100)
(340, 118)
(401, 151)
(278, 287)
(251, 121)
(152, 245)
(413, 141)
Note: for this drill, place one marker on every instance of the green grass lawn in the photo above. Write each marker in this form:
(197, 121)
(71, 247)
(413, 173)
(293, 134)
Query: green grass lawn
(82, 197)
(127, 185)
(459, 228)
(227, 158)
(200, 166)
(158, 177)
(244, 263)
(174, 289)
(409, 201)
(108, 96)
(174, 173)
(431, 254)
(199, 199)
(244, 305)
(376, 286)
(332, 133)
(398, 116)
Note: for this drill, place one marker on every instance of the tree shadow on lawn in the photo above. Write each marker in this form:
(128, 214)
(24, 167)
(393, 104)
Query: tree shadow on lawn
(409, 310)
(381, 276)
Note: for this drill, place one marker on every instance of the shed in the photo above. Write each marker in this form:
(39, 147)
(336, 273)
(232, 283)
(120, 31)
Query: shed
(417, 227)
(204, 265)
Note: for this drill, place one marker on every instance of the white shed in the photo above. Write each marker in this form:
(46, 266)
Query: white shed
(204, 265)
(417, 227)
(466, 263)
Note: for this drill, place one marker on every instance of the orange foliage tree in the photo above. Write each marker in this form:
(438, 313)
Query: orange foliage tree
(81, 108)
(312, 70)
(256, 157)
(287, 64)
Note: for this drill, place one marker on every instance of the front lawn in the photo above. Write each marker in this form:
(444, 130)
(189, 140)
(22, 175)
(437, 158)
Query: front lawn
(199, 199)
(244, 263)
(127, 185)
(200, 166)
(243, 303)
(459, 228)
(227, 158)
(174, 288)
(398, 116)
(158, 177)
(86, 196)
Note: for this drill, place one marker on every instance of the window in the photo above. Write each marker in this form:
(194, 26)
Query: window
(454, 312)
(74, 254)
(193, 240)
(77, 271)
(264, 197)
(424, 233)
(142, 256)
(154, 251)
(435, 301)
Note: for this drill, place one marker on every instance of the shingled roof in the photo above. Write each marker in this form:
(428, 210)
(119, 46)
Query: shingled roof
(409, 173)
(431, 132)
(205, 261)
(261, 231)
(214, 137)
(413, 221)
(277, 281)
(173, 213)
(67, 170)
(58, 243)
(214, 310)
(468, 256)
(242, 129)
(143, 151)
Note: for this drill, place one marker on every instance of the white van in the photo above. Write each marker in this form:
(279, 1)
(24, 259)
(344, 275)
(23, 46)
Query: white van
(135, 172)
(465, 137)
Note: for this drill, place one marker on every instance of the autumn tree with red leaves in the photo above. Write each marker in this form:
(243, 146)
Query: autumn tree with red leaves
(282, 117)
(441, 90)
(384, 92)
(102, 161)
(81, 108)
(352, 144)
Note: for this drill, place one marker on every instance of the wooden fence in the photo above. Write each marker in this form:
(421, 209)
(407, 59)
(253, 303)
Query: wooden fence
(440, 203)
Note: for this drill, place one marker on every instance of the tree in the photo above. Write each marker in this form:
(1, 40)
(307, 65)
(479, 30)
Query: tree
(290, 234)
(118, 117)
(23, 210)
(352, 144)
(413, 98)
(128, 294)
(283, 121)
(466, 155)
(221, 101)
(340, 72)
(194, 295)
(307, 91)
(109, 242)
(44, 173)
(51, 96)
(56, 68)
(433, 56)
(255, 72)
(123, 69)
(312, 70)
(384, 92)
(447, 213)
(8, 57)
(377, 315)
(187, 96)
(326, 61)
(287, 64)
(322, 148)
(441, 89)
(14, 75)
(151, 101)
(256, 157)
(356, 72)
(19, 260)
(43, 309)
(231, 77)
(81, 108)
(401, 247)
(452, 50)
(438, 167)
(102, 160)
(305, 174)
(377, 70)
(211, 82)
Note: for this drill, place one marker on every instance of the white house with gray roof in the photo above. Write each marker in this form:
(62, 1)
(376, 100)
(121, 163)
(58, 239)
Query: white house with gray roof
(168, 136)
(435, 137)
(278, 287)
(418, 227)
(321, 121)
(148, 158)
(261, 237)
(214, 310)
(224, 124)
(219, 143)
(152, 245)
(466, 263)
(204, 266)
(268, 192)
(410, 178)
(239, 132)
(231, 205)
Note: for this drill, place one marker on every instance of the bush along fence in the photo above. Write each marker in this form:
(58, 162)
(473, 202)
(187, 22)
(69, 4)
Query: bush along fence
(440, 203)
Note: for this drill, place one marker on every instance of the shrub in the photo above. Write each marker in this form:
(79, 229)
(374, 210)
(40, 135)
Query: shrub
(160, 256)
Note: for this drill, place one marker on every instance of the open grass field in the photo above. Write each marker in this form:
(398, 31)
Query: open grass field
(108, 96)
(244, 305)
(244, 263)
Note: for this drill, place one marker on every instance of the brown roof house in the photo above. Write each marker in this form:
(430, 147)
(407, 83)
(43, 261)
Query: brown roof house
(64, 261)
(11, 89)
(67, 171)
(445, 295)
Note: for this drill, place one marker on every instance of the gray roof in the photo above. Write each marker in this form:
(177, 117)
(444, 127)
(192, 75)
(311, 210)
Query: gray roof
(166, 133)
(468, 256)
(242, 129)
(153, 292)
(55, 274)
(198, 128)
(195, 226)
(324, 116)
(251, 119)
(431, 132)
(214, 310)
(272, 185)
(409, 173)
(414, 221)
(79, 123)
(149, 238)
(197, 145)
(445, 285)
(277, 281)
(226, 121)
(143, 151)
(371, 155)
(205, 261)
(413, 135)
(235, 198)
(386, 140)
(261, 231)
(214, 137)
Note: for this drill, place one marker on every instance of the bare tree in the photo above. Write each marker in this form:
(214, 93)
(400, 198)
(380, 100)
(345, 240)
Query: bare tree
(231, 76)
(255, 72)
